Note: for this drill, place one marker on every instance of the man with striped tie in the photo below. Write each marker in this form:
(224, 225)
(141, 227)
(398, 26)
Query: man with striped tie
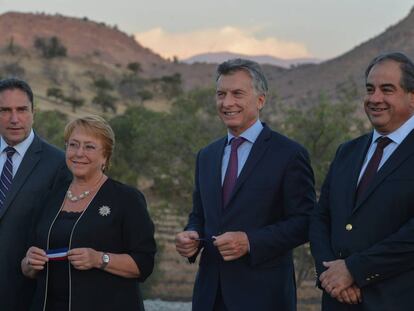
(30, 168)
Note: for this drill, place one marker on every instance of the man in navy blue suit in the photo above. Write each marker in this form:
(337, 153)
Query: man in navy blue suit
(254, 191)
(362, 232)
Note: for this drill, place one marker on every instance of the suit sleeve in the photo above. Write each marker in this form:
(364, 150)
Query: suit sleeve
(320, 228)
(196, 218)
(392, 256)
(298, 201)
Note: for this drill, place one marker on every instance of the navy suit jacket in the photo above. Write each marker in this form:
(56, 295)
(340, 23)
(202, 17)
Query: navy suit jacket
(41, 169)
(271, 202)
(379, 248)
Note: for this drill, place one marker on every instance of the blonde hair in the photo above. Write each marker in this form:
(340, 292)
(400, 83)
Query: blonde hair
(97, 127)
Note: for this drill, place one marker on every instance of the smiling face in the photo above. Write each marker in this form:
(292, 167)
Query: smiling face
(237, 102)
(386, 103)
(16, 116)
(84, 155)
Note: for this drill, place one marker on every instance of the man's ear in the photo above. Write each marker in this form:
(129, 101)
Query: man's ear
(411, 98)
(261, 100)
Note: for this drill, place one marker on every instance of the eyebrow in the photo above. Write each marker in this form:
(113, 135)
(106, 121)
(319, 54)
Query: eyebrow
(388, 85)
(381, 85)
(85, 142)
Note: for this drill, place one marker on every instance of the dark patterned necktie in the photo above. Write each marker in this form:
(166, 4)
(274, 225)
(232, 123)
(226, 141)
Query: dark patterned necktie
(6, 177)
(232, 168)
(372, 166)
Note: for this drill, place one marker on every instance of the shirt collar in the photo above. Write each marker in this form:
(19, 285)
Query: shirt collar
(21, 147)
(399, 134)
(250, 134)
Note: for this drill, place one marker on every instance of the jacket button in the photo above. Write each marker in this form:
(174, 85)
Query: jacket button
(348, 227)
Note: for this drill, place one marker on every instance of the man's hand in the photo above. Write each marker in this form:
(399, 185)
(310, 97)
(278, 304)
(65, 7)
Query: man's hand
(351, 295)
(186, 243)
(337, 278)
(232, 245)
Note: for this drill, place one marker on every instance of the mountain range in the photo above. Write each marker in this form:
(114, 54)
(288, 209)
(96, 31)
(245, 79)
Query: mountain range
(219, 57)
(96, 45)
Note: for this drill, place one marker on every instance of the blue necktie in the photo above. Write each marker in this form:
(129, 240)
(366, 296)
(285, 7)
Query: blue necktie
(6, 175)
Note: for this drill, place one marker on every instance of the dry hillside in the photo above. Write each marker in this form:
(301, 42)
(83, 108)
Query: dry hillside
(81, 37)
(108, 46)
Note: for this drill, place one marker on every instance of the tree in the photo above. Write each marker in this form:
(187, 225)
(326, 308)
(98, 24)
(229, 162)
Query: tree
(11, 47)
(163, 146)
(135, 67)
(171, 85)
(321, 129)
(103, 84)
(55, 92)
(50, 47)
(133, 88)
(145, 95)
(105, 100)
(50, 125)
(103, 96)
(14, 70)
(75, 102)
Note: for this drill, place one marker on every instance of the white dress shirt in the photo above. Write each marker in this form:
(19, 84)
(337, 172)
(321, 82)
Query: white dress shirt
(397, 138)
(21, 149)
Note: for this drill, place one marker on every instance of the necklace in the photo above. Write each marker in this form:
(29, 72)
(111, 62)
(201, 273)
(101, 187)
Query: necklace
(84, 194)
(75, 198)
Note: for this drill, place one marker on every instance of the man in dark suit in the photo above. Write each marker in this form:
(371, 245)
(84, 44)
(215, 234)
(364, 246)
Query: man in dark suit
(252, 198)
(35, 168)
(362, 232)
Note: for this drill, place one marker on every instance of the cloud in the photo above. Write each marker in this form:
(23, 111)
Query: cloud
(228, 39)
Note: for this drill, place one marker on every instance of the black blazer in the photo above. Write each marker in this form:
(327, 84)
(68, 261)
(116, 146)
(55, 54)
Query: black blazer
(42, 169)
(379, 248)
(127, 228)
(271, 202)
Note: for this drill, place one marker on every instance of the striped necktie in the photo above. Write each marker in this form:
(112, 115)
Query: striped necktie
(6, 177)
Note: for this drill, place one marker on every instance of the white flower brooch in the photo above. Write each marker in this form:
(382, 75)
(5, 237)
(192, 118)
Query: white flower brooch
(104, 210)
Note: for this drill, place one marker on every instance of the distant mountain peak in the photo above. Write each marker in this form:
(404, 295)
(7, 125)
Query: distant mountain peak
(219, 57)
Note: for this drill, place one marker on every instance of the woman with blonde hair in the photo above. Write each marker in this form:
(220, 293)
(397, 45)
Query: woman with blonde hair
(95, 239)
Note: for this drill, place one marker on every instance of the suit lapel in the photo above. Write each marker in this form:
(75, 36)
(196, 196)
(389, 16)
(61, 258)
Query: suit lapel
(358, 158)
(31, 157)
(217, 158)
(258, 149)
(402, 152)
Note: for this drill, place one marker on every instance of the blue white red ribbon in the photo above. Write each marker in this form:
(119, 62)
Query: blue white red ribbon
(57, 254)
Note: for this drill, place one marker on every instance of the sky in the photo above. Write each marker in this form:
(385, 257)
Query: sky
(282, 28)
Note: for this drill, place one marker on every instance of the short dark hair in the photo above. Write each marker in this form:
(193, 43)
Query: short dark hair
(14, 83)
(406, 66)
(251, 67)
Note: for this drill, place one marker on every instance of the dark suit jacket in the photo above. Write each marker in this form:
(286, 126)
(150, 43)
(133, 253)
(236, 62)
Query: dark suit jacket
(271, 202)
(379, 250)
(40, 170)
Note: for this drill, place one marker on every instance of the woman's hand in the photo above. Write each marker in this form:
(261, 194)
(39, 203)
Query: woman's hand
(88, 258)
(84, 258)
(34, 261)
